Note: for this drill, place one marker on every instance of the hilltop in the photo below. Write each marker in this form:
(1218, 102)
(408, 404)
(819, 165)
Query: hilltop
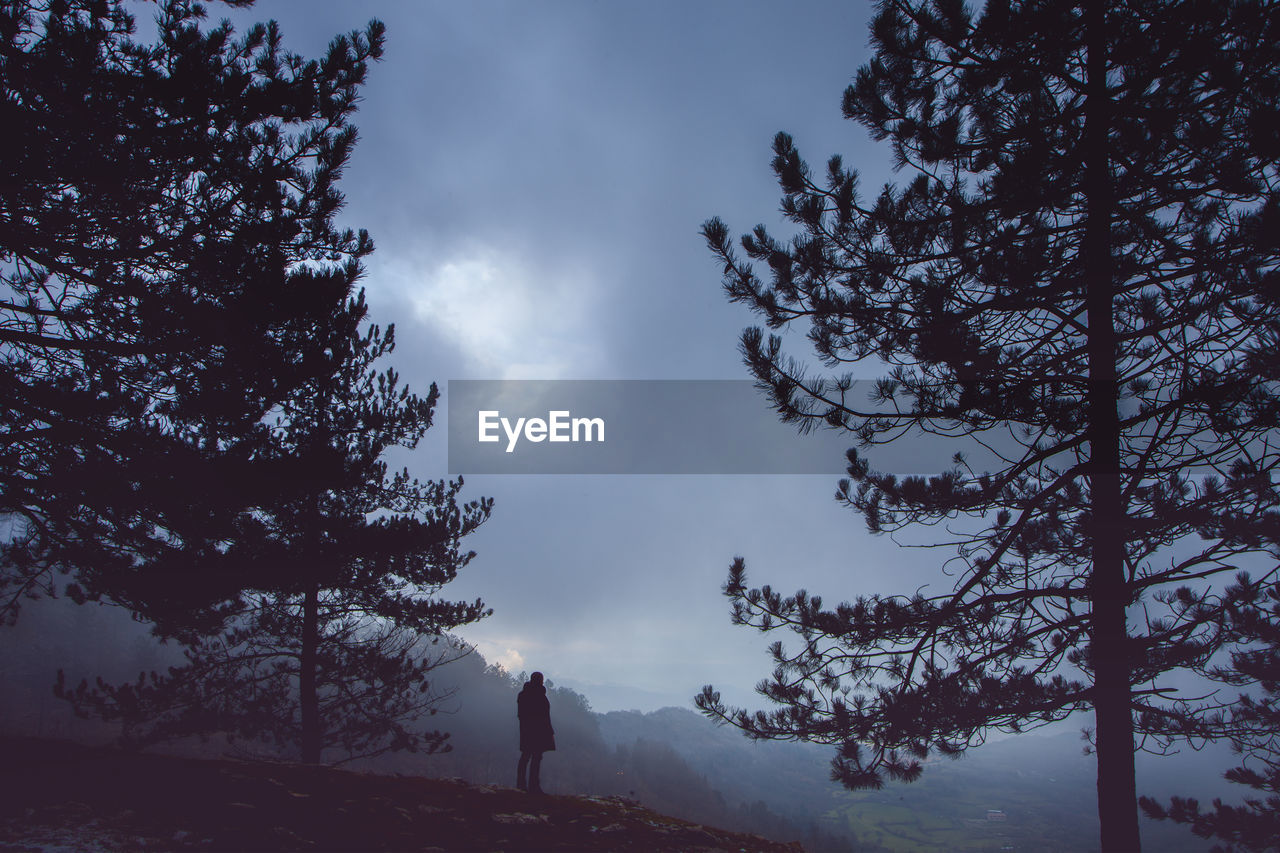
(61, 795)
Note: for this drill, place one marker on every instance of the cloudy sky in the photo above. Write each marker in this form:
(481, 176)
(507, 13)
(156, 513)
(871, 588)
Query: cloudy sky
(534, 175)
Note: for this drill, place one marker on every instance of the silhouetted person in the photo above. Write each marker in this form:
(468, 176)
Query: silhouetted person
(536, 734)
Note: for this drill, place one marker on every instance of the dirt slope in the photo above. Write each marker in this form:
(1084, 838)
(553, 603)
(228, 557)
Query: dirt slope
(59, 796)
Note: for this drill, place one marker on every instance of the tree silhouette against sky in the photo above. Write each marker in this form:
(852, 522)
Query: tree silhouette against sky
(335, 656)
(169, 272)
(1078, 270)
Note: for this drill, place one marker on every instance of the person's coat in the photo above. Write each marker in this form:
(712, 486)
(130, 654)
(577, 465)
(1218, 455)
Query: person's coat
(534, 711)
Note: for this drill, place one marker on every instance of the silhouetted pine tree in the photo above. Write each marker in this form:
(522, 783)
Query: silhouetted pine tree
(1253, 619)
(337, 655)
(1083, 258)
(169, 272)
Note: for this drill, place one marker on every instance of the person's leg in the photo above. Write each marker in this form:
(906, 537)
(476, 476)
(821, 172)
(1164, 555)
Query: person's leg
(520, 768)
(535, 774)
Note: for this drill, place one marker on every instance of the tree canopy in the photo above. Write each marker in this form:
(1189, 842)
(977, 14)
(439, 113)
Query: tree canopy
(1079, 271)
(333, 652)
(1252, 724)
(170, 271)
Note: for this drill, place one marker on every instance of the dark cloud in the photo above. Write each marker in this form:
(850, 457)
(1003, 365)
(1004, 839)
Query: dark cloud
(534, 175)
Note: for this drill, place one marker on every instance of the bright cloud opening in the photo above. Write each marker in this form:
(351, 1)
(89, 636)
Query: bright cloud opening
(510, 660)
(509, 318)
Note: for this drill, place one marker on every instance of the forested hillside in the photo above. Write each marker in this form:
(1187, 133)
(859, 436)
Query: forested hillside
(671, 760)
(480, 717)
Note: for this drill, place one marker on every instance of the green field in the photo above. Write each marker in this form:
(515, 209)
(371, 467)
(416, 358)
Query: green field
(1049, 807)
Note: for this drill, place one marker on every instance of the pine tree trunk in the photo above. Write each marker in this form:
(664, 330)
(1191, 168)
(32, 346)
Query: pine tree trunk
(1117, 791)
(308, 698)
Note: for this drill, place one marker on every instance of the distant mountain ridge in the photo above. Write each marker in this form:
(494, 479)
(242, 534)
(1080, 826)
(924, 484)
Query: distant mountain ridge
(1039, 788)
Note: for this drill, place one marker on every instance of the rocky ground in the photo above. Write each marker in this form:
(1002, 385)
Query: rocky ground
(57, 796)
